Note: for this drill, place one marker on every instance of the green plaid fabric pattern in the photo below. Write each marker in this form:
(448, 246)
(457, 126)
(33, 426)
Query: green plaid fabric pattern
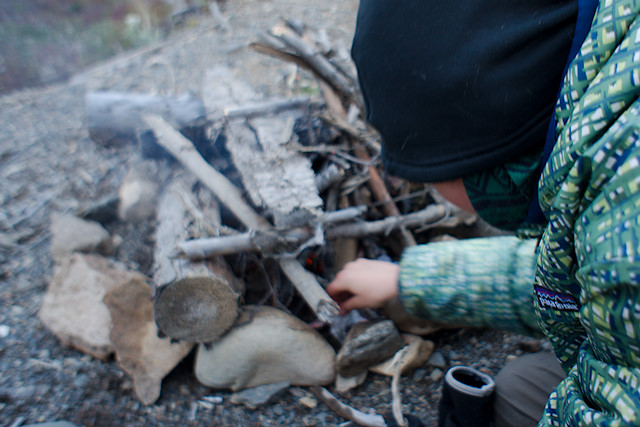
(589, 251)
(501, 196)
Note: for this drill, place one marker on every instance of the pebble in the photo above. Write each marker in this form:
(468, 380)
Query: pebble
(81, 380)
(213, 399)
(309, 402)
(419, 374)
(530, 345)
(51, 424)
(483, 362)
(206, 405)
(23, 392)
(436, 375)
(5, 331)
(454, 355)
(437, 360)
(258, 396)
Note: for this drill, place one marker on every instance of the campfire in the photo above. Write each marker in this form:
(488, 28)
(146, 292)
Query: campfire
(256, 204)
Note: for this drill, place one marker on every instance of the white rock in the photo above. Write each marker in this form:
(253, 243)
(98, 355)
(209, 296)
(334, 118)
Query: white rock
(344, 384)
(72, 234)
(436, 375)
(72, 307)
(266, 346)
(138, 195)
(5, 330)
(308, 402)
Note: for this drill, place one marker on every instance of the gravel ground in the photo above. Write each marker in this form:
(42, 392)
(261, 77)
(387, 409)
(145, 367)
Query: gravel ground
(48, 163)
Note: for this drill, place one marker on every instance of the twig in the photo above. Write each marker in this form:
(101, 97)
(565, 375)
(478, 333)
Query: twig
(345, 411)
(397, 365)
(270, 107)
(217, 15)
(282, 240)
(318, 62)
(430, 214)
(369, 138)
(381, 194)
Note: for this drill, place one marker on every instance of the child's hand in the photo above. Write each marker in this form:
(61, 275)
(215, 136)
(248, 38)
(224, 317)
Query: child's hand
(364, 283)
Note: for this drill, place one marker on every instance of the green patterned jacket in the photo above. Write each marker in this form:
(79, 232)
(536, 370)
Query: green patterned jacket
(580, 285)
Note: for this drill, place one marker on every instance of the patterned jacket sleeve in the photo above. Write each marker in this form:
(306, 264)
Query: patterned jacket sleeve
(476, 282)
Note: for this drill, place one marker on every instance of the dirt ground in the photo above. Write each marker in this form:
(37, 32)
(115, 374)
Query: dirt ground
(48, 163)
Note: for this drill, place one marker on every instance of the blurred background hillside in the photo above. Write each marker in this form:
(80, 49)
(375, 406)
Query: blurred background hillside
(46, 41)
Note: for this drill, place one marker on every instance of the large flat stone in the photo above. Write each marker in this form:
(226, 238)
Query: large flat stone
(72, 307)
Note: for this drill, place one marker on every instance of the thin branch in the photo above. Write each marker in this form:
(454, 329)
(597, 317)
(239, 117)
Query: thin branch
(347, 412)
(287, 240)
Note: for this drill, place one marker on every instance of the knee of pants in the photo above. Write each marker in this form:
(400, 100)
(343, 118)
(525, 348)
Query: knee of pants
(523, 387)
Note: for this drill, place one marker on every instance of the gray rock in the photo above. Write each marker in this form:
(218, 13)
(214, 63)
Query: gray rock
(367, 344)
(437, 360)
(258, 396)
(419, 374)
(81, 380)
(23, 393)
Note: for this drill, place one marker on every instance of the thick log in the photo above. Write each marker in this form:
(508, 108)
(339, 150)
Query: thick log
(114, 117)
(195, 301)
(306, 284)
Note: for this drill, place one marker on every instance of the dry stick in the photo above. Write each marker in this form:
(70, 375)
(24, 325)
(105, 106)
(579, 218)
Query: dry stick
(270, 107)
(430, 216)
(317, 61)
(367, 137)
(398, 363)
(347, 412)
(381, 194)
(182, 149)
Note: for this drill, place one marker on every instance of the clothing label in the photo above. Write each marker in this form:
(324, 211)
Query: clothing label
(555, 300)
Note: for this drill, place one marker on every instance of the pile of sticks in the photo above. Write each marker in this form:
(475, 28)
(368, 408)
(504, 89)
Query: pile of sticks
(348, 209)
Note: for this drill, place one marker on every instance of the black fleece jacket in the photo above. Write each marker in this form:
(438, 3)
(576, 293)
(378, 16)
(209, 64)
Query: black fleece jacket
(456, 87)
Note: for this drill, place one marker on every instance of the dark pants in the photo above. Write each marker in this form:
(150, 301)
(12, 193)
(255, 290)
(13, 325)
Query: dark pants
(523, 387)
